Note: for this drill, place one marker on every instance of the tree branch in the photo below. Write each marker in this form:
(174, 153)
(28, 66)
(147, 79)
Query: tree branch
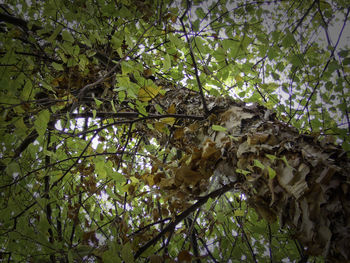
(75, 162)
(304, 16)
(183, 215)
(325, 67)
(132, 115)
(205, 107)
(19, 22)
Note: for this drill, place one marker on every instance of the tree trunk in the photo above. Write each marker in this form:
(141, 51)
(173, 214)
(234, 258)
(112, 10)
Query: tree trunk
(287, 176)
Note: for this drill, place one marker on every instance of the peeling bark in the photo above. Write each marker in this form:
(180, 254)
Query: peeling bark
(294, 178)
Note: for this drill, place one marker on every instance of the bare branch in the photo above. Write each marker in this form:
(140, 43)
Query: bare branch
(205, 107)
(304, 16)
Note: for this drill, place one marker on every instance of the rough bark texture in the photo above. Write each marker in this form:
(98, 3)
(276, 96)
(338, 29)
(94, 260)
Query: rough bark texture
(287, 176)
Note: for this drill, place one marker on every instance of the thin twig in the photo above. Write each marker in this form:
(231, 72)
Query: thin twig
(75, 162)
(324, 69)
(148, 226)
(270, 242)
(183, 215)
(304, 16)
(205, 107)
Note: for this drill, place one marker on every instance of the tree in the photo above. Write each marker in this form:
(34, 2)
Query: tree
(172, 131)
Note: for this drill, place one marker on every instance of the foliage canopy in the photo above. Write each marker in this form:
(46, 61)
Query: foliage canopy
(90, 102)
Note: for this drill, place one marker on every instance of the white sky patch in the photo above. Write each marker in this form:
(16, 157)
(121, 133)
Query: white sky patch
(286, 260)
(104, 197)
(234, 233)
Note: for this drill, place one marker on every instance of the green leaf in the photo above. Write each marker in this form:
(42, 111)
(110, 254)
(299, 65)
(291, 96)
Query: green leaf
(218, 128)
(123, 82)
(296, 60)
(284, 159)
(127, 253)
(111, 256)
(100, 168)
(66, 35)
(55, 33)
(57, 66)
(272, 53)
(239, 212)
(141, 108)
(13, 168)
(344, 53)
(272, 172)
(288, 40)
(346, 146)
(241, 171)
(178, 43)
(271, 157)
(227, 43)
(196, 25)
(200, 13)
(242, 94)
(70, 256)
(76, 50)
(83, 61)
(117, 177)
(90, 53)
(27, 90)
(159, 108)
(113, 107)
(257, 163)
(121, 96)
(221, 217)
(333, 65)
(127, 67)
(346, 61)
(98, 102)
(166, 62)
(41, 122)
(275, 76)
(202, 46)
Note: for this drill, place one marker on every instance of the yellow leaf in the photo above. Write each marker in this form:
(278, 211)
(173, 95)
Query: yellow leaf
(125, 187)
(171, 109)
(169, 120)
(238, 78)
(239, 212)
(179, 133)
(56, 82)
(134, 180)
(148, 179)
(159, 126)
(147, 93)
